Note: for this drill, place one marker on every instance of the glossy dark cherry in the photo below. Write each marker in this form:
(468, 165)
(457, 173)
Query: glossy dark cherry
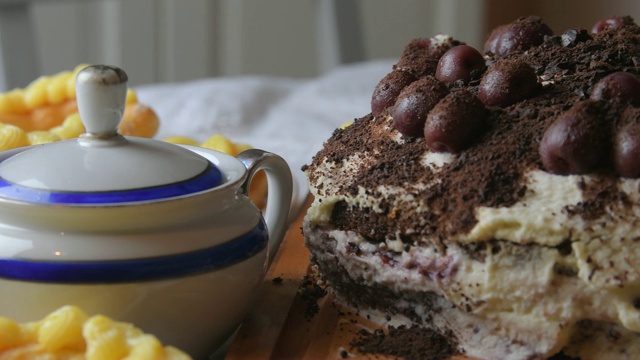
(578, 141)
(455, 123)
(608, 23)
(626, 145)
(420, 57)
(521, 34)
(621, 85)
(388, 89)
(461, 62)
(507, 82)
(414, 103)
(492, 41)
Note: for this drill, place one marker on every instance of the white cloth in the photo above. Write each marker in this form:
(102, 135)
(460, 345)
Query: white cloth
(289, 117)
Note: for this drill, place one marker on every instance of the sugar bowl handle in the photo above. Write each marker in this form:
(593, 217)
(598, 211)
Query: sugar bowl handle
(280, 189)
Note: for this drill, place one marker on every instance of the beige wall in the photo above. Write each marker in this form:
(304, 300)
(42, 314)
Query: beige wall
(178, 40)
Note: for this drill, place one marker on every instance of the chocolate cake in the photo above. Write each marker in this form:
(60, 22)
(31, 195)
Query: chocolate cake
(493, 197)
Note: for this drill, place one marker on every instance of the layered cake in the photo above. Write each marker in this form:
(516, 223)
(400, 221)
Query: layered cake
(493, 195)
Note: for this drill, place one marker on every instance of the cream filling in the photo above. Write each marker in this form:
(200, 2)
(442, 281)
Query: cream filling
(539, 217)
(608, 269)
(534, 306)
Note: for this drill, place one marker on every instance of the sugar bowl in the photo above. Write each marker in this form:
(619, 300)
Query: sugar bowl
(143, 231)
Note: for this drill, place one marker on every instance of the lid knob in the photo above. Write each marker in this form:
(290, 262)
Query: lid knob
(101, 93)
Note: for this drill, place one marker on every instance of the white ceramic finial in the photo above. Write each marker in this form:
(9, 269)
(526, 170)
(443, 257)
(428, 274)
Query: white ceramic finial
(101, 93)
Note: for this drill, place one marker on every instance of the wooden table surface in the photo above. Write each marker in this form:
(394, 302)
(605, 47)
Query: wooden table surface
(279, 328)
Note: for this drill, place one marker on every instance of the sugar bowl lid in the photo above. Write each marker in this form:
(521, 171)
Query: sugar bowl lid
(102, 166)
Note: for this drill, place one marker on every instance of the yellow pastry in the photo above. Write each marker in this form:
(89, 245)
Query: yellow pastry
(218, 142)
(48, 104)
(70, 334)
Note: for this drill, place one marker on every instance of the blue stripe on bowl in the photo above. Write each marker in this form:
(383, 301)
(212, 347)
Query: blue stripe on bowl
(209, 178)
(135, 270)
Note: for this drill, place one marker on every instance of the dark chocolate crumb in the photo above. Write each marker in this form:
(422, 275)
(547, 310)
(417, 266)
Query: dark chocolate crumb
(565, 248)
(311, 292)
(407, 343)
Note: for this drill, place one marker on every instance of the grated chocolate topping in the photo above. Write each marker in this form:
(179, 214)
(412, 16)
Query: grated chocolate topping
(490, 171)
(413, 343)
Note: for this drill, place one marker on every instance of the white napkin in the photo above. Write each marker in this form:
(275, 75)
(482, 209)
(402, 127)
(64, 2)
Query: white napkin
(289, 117)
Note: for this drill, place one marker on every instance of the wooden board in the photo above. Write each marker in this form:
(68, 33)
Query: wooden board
(278, 327)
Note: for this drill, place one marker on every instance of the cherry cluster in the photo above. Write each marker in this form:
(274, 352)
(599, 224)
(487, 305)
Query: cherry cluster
(417, 92)
(426, 96)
